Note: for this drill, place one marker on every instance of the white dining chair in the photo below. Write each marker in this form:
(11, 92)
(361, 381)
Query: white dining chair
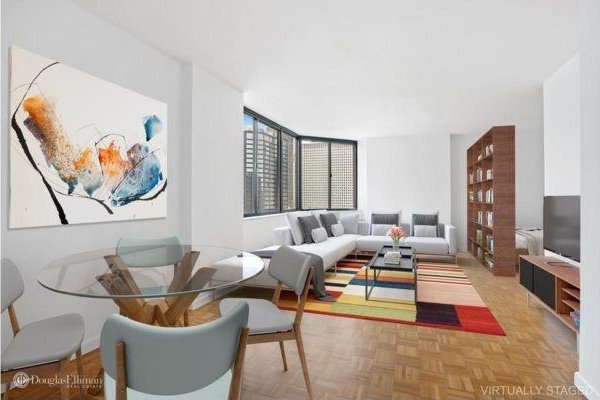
(144, 362)
(41, 347)
(267, 323)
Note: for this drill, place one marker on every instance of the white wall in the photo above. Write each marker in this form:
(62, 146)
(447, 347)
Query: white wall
(64, 31)
(562, 132)
(588, 376)
(458, 150)
(217, 149)
(409, 173)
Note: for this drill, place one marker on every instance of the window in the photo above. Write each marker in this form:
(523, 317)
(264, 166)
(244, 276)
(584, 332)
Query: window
(288, 172)
(328, 174)
(314, 174)
(278, 165)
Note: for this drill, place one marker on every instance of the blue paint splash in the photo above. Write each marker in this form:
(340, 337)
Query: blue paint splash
(152, 126)
(145, 175)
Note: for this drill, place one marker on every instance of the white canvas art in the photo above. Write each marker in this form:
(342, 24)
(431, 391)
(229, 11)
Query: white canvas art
(82, 149)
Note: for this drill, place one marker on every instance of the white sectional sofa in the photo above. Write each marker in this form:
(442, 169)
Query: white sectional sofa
(336, 248)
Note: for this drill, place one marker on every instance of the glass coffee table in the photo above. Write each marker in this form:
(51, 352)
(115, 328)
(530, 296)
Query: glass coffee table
(377, 264)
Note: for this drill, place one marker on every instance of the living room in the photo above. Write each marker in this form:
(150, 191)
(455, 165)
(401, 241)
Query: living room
(404, 194)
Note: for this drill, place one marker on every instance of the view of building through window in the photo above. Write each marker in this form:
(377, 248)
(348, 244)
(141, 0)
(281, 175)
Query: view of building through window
(278, 164)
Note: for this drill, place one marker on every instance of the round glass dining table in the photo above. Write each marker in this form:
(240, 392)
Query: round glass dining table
(151, 283)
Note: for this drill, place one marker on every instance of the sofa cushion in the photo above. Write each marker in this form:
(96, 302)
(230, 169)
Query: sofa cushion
(307, 224)
(423, 219)
(319, 235)
(426, 231)
(318, 213)
(380, 229)
(350, 222)
(427, 245)
(373, 243)
(327, 220)
(292, 220)
(337, 229)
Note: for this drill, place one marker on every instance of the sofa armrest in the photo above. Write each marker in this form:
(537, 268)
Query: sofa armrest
(450, 236)
(363, 228)
(283, 236)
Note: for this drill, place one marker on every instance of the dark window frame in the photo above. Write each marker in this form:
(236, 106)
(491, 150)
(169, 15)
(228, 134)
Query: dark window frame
(298, 186)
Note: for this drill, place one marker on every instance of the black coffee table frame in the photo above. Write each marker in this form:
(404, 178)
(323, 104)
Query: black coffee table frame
(407, 263)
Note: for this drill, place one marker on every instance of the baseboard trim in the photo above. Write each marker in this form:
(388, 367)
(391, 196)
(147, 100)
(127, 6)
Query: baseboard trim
(584, 386)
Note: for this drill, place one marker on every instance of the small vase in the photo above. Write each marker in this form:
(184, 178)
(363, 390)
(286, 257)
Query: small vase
(396, 245)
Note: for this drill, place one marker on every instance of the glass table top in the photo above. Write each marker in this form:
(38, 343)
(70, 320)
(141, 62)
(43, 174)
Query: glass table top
(150, 271)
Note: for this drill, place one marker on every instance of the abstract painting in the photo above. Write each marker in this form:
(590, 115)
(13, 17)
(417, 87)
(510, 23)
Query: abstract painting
(82, 149)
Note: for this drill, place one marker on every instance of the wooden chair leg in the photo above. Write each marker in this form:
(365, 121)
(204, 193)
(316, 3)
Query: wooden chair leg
(80, 373)
(285, 368)
(64, 374)
(186, 318)
(303, 362)
(6, 389)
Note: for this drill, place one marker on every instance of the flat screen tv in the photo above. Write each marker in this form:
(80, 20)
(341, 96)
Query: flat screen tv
(562, 225)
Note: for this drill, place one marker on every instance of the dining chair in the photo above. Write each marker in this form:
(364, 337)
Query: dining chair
(267, 323)
(143, 361)
(140, 253)
(41, 347)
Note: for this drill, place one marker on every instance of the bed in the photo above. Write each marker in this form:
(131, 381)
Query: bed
(529, 241)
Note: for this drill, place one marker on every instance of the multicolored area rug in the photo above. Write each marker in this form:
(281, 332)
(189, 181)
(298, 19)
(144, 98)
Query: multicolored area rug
(445, 298)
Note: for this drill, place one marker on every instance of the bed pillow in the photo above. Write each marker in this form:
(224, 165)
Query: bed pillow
(327, 220)
(337, 229)
(425, 219)
(307, 224)
(292, 221)
(319, 235)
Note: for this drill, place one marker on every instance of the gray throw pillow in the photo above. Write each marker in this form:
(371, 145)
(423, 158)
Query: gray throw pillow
(337, 229)
(327, 220)
(319, 235)
(307, 224)
(424, 219)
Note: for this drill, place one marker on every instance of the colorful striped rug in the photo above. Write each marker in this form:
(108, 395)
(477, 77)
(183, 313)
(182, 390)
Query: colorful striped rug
(445, 298)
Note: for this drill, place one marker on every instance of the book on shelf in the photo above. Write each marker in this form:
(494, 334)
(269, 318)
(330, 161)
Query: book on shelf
(479, 157)
(480, 217)
(479, 173)
(489, 174)
(489, 196)
(489, 150)
(480, 195)
(471, 195)
(479, 236)
(575, 317)
(471, 178)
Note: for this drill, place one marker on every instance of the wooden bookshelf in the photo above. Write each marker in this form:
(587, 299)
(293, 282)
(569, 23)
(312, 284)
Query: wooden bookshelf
(491, 169)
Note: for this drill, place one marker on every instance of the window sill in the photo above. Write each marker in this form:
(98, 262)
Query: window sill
(249, 218)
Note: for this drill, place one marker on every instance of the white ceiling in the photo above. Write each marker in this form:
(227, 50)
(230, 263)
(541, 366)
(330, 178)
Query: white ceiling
(357, 68)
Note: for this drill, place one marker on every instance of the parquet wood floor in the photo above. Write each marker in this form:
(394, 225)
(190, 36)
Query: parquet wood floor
(359, 359)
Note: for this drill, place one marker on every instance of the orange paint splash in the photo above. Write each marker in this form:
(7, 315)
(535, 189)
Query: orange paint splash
(112, 164)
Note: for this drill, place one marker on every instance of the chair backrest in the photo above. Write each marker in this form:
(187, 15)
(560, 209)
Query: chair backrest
(173, 361)
(138, 253)
(12, 283)
(290, 267)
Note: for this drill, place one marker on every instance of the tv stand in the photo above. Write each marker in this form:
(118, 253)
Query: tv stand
(554, 285)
